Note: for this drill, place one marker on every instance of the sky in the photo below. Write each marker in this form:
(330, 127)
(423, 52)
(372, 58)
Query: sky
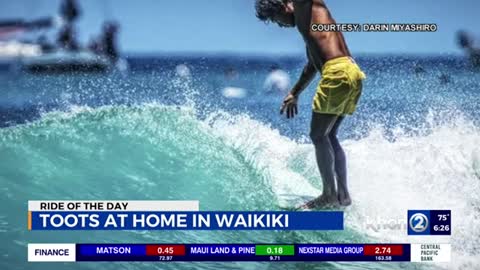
(230, 26)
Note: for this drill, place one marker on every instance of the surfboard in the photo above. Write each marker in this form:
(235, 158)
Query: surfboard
(293, 202)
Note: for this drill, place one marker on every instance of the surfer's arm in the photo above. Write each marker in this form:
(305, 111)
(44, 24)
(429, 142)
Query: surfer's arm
(308, 73)
(290, 102)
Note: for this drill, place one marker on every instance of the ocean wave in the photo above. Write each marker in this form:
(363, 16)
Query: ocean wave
(234, 162)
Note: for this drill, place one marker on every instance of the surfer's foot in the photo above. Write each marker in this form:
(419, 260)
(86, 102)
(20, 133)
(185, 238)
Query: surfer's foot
(344, 199)
(324, 201)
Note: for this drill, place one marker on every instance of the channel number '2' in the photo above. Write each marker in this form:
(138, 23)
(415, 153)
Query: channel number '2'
(418, 222)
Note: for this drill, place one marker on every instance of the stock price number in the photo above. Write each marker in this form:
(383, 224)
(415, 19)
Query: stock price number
(383, 250)
(165, 251)
(275, 250)
(383, 258)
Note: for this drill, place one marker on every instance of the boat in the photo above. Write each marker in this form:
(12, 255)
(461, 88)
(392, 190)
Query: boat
(66, 55)
(63, 61)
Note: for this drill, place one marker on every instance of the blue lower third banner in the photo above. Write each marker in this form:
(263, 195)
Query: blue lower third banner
(191, 220)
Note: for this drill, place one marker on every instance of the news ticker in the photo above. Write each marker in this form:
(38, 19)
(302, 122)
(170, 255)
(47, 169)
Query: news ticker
(239, 252)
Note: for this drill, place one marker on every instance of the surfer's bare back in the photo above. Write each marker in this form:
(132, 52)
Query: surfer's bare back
(337, 93)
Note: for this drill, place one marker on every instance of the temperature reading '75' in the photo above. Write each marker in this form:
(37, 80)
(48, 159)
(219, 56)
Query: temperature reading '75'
(443, 217)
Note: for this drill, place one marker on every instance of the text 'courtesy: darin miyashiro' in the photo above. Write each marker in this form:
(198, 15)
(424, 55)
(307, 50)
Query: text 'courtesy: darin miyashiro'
(374, 27)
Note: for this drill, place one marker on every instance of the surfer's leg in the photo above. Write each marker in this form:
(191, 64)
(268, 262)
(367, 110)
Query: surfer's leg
(340, 165)
(320, 128)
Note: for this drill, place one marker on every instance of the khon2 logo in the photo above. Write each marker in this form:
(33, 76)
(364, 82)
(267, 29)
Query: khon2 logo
(418, 222)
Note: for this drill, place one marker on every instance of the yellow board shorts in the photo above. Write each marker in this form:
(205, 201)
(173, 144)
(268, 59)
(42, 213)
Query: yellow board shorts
(340, 88)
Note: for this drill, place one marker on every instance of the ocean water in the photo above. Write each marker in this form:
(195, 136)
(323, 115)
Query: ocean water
(151, 134)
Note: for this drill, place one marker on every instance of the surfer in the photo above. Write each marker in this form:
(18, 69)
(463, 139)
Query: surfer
(337, 93)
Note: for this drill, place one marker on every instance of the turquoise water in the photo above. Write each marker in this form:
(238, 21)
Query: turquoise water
(127, 138)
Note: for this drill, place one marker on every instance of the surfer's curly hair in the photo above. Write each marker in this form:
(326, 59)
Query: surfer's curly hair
(266, 9)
